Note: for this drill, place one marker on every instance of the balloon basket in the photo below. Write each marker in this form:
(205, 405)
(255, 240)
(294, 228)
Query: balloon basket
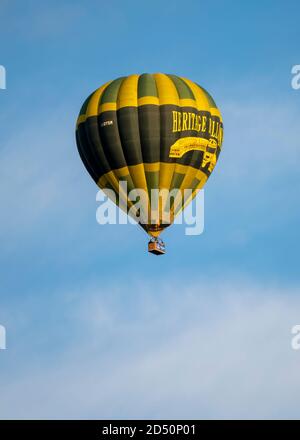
(156, 246)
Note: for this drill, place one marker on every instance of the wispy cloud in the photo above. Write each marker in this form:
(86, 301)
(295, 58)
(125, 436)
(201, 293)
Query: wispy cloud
(174, 344)
(214, 350)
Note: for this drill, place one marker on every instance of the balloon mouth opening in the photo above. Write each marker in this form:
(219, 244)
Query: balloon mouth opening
(156, 230)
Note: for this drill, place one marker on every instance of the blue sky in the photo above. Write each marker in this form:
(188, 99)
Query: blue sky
(96, 327)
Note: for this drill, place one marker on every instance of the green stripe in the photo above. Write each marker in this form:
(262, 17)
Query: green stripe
(177, 180)
(128, 180)
(152, 179)
(85, 105)
(147, 86)
(183, 90)
(110, 94)
(195, 183)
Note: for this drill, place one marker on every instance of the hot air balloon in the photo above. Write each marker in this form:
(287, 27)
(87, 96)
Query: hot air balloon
(154, 132)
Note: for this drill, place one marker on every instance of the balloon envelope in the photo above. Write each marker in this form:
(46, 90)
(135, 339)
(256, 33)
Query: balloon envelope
(152, 132)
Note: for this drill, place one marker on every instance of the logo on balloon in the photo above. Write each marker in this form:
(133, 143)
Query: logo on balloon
(184, 145)
(200, 122)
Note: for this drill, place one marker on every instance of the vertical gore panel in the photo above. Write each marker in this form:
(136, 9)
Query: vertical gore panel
(110, 139)
(80, 140)
(183, 89)
(166, 89)
(94, 102)
(128, 124)
(127, 94)
(87, 150)
(203, 103)
(147, 86)
(208, 96)
(168, 95)
(149, 125)
(185, 92)
(128, 120)
(94, 140)
(111, 92)
(84, 105)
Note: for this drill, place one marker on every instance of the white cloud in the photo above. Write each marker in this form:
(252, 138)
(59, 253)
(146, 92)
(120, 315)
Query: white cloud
(201, 350)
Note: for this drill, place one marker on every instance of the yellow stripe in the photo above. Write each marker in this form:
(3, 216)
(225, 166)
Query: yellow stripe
(93, 104)
(152, 167)
(149, 167)
(122, 172)
(127, 95)
(113, 177)
(202, 101)
(215, 112)
(81, 118)
(188, 103)
(107, 106)
(145, 100)
(148, 100)
(104, 184)
(166, 89)
(200, 175)
(165, 174)
(167, 94)
(137, 174)
(112, 106)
